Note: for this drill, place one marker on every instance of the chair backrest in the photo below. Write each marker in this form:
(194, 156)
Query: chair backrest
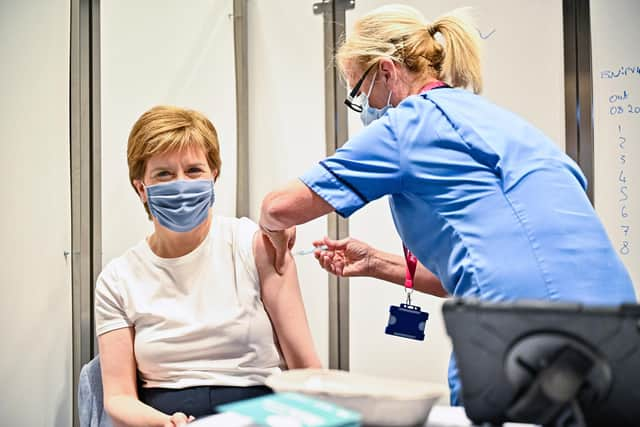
(91, 411)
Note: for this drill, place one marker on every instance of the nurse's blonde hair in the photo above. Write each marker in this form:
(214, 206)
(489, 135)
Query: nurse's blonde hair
(400, 33)
(164, 129)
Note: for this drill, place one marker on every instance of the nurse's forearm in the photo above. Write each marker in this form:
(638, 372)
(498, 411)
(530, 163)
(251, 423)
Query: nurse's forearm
(292, 205)
(392, 268)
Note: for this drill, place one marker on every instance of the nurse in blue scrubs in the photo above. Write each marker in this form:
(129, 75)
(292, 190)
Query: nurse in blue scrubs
(487, 203)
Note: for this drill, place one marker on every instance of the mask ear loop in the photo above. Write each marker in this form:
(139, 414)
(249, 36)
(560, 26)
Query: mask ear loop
(389, 98)
(146, 193)
(373, 81)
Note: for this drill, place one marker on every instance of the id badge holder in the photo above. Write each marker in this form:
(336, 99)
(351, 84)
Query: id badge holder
(407, 320)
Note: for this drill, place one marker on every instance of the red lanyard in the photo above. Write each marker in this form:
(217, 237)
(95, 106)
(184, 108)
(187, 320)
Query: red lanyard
(412, 262)
(432, 85)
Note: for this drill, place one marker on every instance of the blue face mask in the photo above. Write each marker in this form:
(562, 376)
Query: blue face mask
(368, 113)
(181, 205)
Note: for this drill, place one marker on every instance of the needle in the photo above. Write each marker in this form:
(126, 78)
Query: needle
(310, 251)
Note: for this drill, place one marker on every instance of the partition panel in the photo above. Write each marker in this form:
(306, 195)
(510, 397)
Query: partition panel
(287, 127)
(161, 52)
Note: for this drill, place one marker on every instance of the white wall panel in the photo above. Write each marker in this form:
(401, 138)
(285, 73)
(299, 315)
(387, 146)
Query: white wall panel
(286, 125)
(35, 223)
(161, 52)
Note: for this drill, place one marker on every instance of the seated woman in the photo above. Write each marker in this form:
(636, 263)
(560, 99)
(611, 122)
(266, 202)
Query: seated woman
(196, 310)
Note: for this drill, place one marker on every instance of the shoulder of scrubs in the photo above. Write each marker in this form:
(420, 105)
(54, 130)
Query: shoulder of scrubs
(368, 166)
(499, 139)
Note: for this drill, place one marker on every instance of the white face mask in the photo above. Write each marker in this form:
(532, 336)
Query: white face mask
(370, 114)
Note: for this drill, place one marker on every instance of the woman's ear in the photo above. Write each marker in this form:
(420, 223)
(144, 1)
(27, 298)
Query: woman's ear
(388, 71)
(137, 183)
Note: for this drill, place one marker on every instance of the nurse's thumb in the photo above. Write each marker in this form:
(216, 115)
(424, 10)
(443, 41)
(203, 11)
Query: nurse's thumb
(337, 244)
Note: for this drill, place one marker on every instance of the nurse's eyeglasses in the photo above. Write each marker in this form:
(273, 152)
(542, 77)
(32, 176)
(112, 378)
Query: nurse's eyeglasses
(353, 97)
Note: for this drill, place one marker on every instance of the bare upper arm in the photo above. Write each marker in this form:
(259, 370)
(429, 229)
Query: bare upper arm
(117, 362)
(264, 254)
(282, 301)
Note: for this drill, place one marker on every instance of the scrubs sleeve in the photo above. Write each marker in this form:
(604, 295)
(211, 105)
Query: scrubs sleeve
(364, 169)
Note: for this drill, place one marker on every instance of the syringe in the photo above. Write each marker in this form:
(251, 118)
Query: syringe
(310, 251)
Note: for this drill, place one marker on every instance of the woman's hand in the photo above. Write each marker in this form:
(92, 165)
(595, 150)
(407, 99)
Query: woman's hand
(178, 419)
(282, 241)
(347, 257)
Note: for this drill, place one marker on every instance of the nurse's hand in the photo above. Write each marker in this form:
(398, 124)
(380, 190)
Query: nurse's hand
(282, 241)
(347, 257)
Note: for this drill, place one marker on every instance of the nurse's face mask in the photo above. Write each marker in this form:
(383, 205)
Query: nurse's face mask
(181, 205)
(369, 114)
(360, 103)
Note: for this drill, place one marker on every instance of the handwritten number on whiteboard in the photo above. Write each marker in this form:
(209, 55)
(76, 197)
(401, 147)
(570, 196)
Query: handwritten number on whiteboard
(625, 229)
(622, 178)
(623, 191)
(624, 250)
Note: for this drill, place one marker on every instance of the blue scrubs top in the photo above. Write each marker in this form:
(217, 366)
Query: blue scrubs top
(482, 198)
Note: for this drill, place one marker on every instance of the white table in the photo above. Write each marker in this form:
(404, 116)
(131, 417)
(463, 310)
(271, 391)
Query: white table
(440, 416)
(454, 416)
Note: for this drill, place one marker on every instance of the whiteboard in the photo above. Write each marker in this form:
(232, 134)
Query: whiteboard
(523, 70)
(616, 123)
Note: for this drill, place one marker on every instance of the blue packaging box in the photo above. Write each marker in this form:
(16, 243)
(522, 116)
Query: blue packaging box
(293, 410)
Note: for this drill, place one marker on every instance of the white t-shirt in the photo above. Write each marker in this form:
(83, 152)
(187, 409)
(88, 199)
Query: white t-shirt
(198, 319)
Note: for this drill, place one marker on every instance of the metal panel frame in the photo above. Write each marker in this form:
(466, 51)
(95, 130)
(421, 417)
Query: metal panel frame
(84, 129)
(579, 87)
(336, 130)
(242, 106)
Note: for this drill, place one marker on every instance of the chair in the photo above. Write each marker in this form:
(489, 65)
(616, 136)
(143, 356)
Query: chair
(90, 398)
